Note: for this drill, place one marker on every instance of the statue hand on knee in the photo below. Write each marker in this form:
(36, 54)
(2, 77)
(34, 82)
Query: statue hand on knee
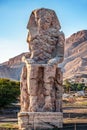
(55, 61)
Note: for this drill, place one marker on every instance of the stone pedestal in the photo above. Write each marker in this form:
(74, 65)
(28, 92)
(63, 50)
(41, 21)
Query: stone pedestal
(40, 120)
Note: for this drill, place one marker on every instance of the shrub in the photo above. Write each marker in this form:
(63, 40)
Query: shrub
(9, 92)
(67, 85)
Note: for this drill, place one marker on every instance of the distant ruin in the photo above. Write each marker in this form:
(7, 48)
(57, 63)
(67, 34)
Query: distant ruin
(41, 79)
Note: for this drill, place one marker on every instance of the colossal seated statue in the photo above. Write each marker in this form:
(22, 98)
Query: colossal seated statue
(41, 79)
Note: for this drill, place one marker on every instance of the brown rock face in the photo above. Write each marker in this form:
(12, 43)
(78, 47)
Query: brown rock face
(41, 79)
(12, 68)
(75, 62)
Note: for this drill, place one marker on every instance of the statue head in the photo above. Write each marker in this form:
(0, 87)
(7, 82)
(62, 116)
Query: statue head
(44, 35)
(42, 20)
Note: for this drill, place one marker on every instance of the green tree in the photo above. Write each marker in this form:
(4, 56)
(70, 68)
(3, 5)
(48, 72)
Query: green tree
(74, 86)
(80, 86)
(67, 85)
(9, 92)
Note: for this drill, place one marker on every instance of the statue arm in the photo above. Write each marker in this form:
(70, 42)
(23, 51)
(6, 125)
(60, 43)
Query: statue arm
(60, 47)
(59, 50)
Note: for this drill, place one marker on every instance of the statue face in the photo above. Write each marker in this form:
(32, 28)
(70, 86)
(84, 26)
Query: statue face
(44, 23)
(39, 24)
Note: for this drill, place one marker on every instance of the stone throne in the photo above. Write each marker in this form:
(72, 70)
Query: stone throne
(41, 79)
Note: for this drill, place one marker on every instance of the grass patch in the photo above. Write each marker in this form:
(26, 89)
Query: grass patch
(75, 102)
(84, 103)
(9, 126)
(74, 120)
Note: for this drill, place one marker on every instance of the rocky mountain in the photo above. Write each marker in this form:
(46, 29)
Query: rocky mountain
(12, 68)
(74, 65)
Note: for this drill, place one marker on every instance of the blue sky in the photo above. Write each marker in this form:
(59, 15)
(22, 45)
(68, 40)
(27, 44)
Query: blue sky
(14, 15)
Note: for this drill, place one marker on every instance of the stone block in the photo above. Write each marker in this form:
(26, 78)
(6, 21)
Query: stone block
(40, 120)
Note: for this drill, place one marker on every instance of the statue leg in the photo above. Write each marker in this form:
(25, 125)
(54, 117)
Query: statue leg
(24, 90)
(58, 84)
(49, 77)
(32, 81)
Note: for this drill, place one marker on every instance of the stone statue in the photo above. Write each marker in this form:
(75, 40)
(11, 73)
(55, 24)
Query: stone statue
(41, 79)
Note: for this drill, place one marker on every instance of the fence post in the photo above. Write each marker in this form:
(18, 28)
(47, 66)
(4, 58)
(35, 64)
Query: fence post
(75, 126)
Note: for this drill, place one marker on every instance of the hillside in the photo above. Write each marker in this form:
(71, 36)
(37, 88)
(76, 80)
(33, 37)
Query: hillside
(12, 68)
(75, 63)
